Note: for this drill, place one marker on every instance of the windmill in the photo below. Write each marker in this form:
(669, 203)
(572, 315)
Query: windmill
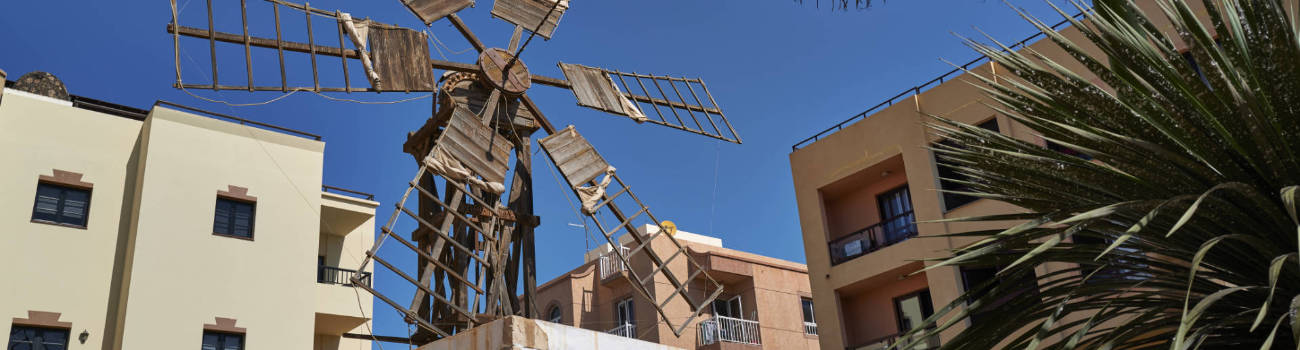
(475, 237)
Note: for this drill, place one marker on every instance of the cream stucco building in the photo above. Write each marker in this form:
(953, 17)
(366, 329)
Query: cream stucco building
(164, 229)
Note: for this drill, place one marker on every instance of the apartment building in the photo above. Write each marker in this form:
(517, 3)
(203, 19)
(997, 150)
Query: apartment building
(867, 190)
(170, 228)
(766, 302)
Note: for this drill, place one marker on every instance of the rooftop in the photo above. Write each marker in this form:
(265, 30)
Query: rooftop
(916, 90)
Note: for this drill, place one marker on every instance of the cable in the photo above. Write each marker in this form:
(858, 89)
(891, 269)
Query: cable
(453, 52)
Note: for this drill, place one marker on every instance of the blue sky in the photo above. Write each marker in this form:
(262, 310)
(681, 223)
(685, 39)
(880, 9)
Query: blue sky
(781, 72)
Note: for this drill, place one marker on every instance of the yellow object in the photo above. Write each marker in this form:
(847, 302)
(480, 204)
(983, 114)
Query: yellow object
(668, 226)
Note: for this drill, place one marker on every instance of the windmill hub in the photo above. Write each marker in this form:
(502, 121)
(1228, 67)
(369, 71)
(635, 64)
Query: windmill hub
(504, 72)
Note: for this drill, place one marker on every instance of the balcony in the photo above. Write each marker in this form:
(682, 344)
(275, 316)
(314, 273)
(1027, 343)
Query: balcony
(885, 342)
(626, 330)
(339, 276)
(889, 232)
(729, 330)
(610, 265)
(810, 328)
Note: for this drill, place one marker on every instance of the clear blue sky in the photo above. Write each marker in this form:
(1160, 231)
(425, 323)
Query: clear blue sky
(781, 72)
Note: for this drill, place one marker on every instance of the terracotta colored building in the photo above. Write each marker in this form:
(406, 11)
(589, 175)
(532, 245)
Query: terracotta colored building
(863, 185)
(766, 302)
(170, 228)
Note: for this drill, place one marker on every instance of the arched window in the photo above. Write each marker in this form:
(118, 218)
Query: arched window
(555, 315)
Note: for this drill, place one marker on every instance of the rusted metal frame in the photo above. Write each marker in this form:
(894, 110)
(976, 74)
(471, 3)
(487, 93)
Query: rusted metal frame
(670, 237)
(667, 261)
(429, 272)
(426, 255)
(417, 284)
(278, 88)
(699, 309)
(311, 43)
(212, 45)
(625, 222)
(460, 186)
(305, 7)
(647, 92)
(347, 80)
(409, 314)
(649, 238)
(679, 98)
(458, 245)
(248, 53)
(176, 46)
(670, 108)
(279, 47)
(715, 105)
(464, 31)
(609, 199)
(640, 289)
(450, 210)
(265, 42)
(636, 237)
(668, 103)
(391, 220)
(665, 77)
(701, 104)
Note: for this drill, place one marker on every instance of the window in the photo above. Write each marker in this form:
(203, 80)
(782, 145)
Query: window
(61, 204)
(222, 341)
(896, 220)
(809, 321)
(234, 218)
(1113, 265)
(974, 279)
(555, 315)
(1067, 150)
(623, 312)
(37, 338)
(950, 179)
(912, 310)
(728, 308)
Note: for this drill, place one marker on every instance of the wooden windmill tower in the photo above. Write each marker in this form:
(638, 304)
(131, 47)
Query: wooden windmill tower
(475, 236)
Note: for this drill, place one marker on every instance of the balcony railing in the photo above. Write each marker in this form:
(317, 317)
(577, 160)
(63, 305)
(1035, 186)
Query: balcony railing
(626, 330)
(885, 342)
(886, 233)
(810, 328)
(728, 329)
(334, 275)
(610, 265)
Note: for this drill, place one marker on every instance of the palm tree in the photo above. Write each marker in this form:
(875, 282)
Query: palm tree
(1177, 215)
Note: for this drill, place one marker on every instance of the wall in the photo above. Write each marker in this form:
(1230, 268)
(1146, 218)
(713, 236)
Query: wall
(184, 276)
(55, 268)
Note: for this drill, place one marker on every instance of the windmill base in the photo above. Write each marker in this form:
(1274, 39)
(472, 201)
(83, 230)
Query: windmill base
(516, 332)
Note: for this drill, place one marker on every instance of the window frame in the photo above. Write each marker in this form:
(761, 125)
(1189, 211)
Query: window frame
(631, 312)
(926, 303)
(945, 198)
(221, 339)
(739, 307)
(555, 315)
(252, 219)
(968, 285)
(809, 312)
(67, 336)
(63, 189)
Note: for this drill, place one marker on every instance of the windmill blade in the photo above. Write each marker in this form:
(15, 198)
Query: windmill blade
(599, 89)
(580, 165)
(529, 13)
(392, 58)
(430, 11)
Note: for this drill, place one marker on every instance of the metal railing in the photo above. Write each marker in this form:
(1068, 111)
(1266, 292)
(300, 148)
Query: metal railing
(610, 265)
(810, 328)
(916, 90)
(886, 233)
(626, 330)
(730, 330)
(885, 342)
(334, 275)
(354, 193)
(241, 121)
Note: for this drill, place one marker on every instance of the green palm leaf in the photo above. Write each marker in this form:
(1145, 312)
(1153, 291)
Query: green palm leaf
(1176, 230)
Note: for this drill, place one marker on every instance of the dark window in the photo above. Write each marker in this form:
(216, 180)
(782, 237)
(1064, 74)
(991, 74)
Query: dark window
(623, 312)
(1197, 68)
(555, 315)
(896, 220)
(807, 305)
(912, 310)
(234, 218)
(728, 308)
(974, 280)
(1067, 150)
(222, 341)
(37, 338)
(950, 179)
(61, 204)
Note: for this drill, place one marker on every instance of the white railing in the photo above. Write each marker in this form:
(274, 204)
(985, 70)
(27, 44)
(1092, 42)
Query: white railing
(626, 330)
(610, 264)
(810, 328)
(727, 329)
